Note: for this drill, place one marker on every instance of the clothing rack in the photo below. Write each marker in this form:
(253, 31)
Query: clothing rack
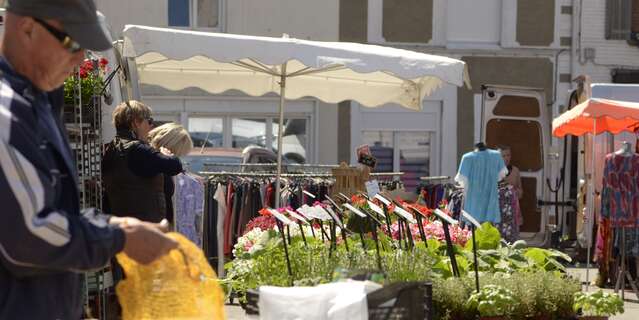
(302, 165)
(437, 178)
(290, 175)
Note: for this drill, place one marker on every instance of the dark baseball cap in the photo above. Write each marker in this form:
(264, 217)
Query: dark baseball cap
(78, 17)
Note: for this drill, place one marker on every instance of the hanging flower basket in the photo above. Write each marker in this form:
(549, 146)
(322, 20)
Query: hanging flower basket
(90, 77)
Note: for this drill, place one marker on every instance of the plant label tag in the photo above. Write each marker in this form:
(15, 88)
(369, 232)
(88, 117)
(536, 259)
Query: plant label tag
(345, 197)
(376, 208)
(382, 199)
(321, 213)
(297, 216)
(372, 188)
(444, 216)
(354, 210)
(404, 214)
(308, 194)
(305, 210)
(470, 218)
(335, 217)
(280, 217)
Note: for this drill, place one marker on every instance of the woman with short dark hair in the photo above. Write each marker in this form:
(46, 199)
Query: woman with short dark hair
(133, 171)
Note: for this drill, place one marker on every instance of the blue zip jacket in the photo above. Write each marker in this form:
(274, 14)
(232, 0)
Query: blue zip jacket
(46, 243)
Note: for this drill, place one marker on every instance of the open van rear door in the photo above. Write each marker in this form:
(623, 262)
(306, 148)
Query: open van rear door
(517, 117)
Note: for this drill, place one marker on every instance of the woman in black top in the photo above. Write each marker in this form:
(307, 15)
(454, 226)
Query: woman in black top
(133, 171)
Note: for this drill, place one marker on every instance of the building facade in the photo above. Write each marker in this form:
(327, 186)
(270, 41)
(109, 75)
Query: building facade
(525, 43)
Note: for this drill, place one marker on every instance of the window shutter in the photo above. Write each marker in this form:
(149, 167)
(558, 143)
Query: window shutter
(618, 19)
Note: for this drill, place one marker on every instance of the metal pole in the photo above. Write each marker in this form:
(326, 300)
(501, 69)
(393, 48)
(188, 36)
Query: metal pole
(591, 208)
(280, 132)
(472, 228)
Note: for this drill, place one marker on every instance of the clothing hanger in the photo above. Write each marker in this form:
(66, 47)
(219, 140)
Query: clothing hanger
(480, 146)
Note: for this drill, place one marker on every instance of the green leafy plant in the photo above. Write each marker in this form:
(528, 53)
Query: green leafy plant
(538, 293)
(598, 303)
(486, 237)
(450, 296)
(492, 300)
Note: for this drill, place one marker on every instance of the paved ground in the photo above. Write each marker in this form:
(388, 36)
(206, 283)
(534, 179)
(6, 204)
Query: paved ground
(631, 304)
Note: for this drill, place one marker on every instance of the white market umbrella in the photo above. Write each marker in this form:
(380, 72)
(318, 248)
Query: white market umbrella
(329, 71)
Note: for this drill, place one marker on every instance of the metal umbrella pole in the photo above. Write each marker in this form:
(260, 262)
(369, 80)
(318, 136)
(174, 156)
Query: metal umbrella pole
(279, 135)
(280, 130)
(591, 208)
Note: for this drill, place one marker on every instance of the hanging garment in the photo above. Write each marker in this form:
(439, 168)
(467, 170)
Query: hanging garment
(228, 219)
(455, 201)
(235, 216)
(220, 198)
(209, 238)
(620, 190)
(519, 218)
(189, 206)
(632, 242)
(508, 225)
(479, 172)
(603, 246)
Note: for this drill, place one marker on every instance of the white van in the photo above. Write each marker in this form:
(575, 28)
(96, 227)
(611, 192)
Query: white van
(517, 117)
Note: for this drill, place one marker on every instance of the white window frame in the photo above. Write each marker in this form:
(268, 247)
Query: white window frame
(439, 115)
(432, 152)
(221, 16)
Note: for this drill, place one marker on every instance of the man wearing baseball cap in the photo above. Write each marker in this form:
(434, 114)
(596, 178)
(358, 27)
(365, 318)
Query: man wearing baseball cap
(46, 243)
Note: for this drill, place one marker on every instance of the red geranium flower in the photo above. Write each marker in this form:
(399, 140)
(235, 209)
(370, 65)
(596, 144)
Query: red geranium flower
(104, 61)
(262, 222)
(264, 212)
(87, 65)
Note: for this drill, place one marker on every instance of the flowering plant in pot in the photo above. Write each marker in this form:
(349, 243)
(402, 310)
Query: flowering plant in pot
(90, 78)
(492, 302)
(597, 305)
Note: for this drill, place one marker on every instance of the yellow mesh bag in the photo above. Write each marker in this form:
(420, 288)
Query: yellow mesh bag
(180, 285)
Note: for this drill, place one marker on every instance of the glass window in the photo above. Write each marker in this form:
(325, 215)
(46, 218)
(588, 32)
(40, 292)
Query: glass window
(207, 13)
(208, 132)
(381, 146)
(248, 132)
(410, 149)
(294, 142)
(414, 156)
(179, 13)
(482, 21)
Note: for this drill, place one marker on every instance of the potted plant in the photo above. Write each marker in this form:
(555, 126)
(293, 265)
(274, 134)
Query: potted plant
(597, 305)
(492, 302)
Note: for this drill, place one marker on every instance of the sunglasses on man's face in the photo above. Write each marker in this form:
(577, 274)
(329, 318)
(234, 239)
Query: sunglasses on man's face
(71, 45)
